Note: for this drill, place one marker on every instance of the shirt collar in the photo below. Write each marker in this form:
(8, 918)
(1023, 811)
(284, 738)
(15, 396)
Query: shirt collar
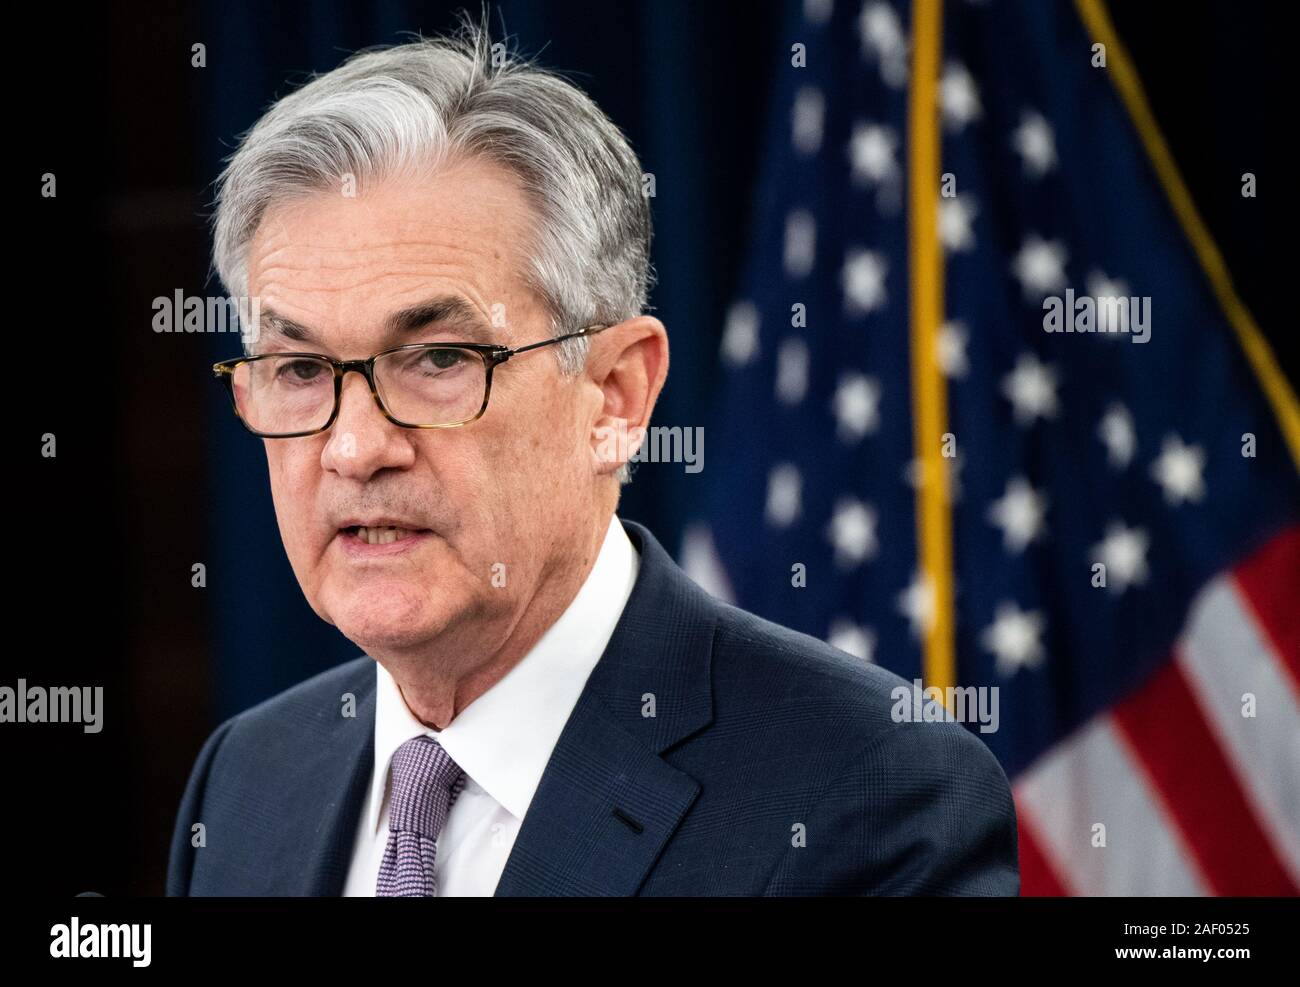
(504, 738)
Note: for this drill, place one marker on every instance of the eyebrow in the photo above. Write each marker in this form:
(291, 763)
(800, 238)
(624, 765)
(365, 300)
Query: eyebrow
(447, 312)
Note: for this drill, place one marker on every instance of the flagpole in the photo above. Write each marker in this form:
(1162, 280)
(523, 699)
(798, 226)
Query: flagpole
(929, 394)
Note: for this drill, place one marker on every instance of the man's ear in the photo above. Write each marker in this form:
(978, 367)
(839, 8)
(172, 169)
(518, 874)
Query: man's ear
(628, 363)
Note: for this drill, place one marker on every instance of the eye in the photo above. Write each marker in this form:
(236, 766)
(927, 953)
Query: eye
(301, 370)
(445, 359)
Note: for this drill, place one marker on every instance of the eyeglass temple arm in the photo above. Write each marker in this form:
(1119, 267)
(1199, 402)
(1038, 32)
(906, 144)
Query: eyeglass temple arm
(588, 331)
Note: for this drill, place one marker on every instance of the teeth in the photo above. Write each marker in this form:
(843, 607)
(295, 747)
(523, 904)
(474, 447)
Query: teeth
(382, 536)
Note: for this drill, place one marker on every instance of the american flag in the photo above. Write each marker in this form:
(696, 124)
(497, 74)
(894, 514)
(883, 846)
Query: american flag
(1106, 529)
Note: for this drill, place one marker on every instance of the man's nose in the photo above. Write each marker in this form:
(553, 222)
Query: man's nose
(362, 441)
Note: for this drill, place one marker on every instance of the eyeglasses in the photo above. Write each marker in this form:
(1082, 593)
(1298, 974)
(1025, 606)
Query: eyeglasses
(419, 385)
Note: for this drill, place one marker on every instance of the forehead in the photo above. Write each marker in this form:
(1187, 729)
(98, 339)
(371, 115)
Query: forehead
(342, 264)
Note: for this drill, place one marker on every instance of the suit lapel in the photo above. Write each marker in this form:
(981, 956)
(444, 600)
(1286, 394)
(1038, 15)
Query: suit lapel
(608, 802)
(317, 838)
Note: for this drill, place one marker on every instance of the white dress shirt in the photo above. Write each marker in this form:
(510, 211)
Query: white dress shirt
(502, 740)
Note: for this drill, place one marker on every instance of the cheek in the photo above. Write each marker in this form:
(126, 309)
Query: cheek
(292, 488)
(548, 464)
(489, 480)
(565, 440)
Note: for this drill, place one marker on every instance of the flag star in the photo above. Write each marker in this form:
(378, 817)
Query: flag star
(784, 486)
(1116, 431)
(807, 115)
(1035, 144)
(1039, 266)
(881, 33)
(853, 532)
(792, 371)
(857, 405)
(916, 603)
(955, 217)
(952, 349)
(958, 97)
(1031, 389)
(740, 337)
(1124, 554)
(856, 640)
(1014, 637)
(1178, 470)
(1019, 513)
(872, 150)
(1110, 318)
(880, 28)
(864, 281)
(700, 560)
(800, 243)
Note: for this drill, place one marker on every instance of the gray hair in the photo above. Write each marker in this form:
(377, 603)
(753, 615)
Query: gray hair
(409, 108)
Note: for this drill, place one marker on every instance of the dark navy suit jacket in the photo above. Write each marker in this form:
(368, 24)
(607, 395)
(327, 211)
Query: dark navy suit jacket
(771, 766)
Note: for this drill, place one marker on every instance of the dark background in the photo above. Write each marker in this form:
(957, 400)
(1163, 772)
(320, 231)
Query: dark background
(153, 474)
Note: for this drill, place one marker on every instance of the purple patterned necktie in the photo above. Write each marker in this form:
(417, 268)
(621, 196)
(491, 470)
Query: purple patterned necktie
(426, 782)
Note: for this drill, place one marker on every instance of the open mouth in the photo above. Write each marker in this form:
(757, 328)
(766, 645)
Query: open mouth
(381, 535)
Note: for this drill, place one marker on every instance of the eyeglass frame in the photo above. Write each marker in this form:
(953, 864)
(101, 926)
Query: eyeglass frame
(492, 355)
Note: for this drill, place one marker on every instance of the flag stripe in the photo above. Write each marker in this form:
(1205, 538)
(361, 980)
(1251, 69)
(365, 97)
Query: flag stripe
(1089, 780)
(1038, 878)
(1270, 582)
(1224, 657)
(1163, 725)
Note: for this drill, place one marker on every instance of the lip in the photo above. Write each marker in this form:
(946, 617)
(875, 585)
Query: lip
(355, 548)
(378, 521)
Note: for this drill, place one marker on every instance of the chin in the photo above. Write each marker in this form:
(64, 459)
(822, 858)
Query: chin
(388, 614)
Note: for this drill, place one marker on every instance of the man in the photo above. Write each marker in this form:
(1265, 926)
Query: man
(546, 703)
